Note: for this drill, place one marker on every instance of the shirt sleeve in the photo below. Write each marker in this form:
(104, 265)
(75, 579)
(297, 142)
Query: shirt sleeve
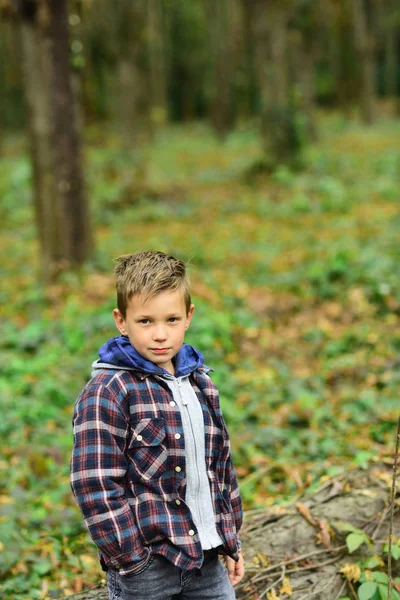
(236, 501)
(98, 467)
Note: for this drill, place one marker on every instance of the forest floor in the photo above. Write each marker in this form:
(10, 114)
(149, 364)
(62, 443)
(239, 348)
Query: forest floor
(297, 292)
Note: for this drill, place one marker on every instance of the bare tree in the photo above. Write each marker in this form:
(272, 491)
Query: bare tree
(365, 42)
(391, 40)
(304, 44)
(62, 210)
(222, 18)
(158, 75)
(270, 21)
(132, 70)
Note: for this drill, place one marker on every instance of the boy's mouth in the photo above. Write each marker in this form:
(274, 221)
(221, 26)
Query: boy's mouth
(160, 350)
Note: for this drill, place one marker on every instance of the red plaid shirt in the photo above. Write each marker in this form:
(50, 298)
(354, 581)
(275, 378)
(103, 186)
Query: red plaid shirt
(128, 470)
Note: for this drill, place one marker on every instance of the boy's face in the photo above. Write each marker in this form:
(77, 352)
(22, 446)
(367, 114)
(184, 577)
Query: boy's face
(156, 326)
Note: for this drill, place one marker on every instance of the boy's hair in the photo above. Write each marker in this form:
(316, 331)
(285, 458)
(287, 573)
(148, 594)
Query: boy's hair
(149, 273)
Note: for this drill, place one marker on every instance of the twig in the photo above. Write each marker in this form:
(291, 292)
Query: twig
(392, 499)
(320, 589)
(280, 578)
(285, 563)
(353, 591)
(341, 590)
(385, 513)
(299, 569)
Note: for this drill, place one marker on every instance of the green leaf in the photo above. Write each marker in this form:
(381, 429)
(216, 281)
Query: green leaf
(396, 552)
(383, 591)
(354, 541)
(371, 562)
(367, 590)
(379, 577)
(347, 527)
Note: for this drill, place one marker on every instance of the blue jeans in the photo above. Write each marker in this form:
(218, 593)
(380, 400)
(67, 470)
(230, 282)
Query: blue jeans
(161, 580)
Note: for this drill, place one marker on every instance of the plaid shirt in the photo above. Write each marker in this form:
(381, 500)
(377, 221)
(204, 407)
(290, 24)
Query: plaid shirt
(128, 470)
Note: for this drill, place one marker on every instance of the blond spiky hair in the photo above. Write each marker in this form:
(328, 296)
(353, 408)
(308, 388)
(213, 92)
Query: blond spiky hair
(149, 273)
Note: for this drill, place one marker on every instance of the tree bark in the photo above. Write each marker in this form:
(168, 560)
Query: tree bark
(62, 210)
(365, 43)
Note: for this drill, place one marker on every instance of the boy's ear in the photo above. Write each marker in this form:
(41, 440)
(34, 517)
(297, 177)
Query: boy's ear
(189, 316)
(119, 321)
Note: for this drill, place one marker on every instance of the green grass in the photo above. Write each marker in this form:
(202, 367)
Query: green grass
(297, 292)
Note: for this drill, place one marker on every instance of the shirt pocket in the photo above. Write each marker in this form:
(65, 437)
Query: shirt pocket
(147, 451)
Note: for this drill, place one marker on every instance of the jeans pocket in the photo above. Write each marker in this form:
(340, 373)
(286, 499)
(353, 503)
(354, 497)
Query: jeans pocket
(130, 576)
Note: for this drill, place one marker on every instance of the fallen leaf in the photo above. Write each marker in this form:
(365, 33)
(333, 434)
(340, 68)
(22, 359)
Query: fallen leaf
(286, 587)
(261, 559)
(305, 512)
(324, 534)
(351, 571)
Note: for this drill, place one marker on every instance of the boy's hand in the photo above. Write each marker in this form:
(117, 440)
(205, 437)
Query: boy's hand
(235, 569)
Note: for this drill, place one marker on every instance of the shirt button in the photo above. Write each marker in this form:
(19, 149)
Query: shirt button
(177, 502)
(178, 469)
(172, 403)
(177, 436)
(191, 532)
(139, 438)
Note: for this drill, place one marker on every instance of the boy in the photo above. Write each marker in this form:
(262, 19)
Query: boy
(151, 468)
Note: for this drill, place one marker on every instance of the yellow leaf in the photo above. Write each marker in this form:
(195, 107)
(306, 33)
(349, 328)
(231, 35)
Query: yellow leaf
(6, 500)
(286, 587)
(351, 571)
(261, 559)
(271, 595)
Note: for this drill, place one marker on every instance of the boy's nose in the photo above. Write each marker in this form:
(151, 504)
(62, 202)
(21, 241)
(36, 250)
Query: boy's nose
(159, 333)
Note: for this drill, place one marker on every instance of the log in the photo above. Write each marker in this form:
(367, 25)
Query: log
(301, 543)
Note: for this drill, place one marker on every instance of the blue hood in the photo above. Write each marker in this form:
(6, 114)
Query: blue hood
(120, 353)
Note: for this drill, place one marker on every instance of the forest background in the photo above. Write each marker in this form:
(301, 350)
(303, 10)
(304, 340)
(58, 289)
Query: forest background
(258, 139)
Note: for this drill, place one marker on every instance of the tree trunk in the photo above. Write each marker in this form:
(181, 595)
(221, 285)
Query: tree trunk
(249, 58)
(158, 80)
(270, 22)
(62, 210)
(303, 74)
(219, 17)
(391, 53)
(133, 73)
(344, 63)
(46, 200)
(365, 45)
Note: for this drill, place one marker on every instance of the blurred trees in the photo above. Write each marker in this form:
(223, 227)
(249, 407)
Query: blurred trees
(146, 62)
(140, 64)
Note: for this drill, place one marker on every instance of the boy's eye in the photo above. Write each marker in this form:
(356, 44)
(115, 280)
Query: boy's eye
(173, 319)
(144, 321)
